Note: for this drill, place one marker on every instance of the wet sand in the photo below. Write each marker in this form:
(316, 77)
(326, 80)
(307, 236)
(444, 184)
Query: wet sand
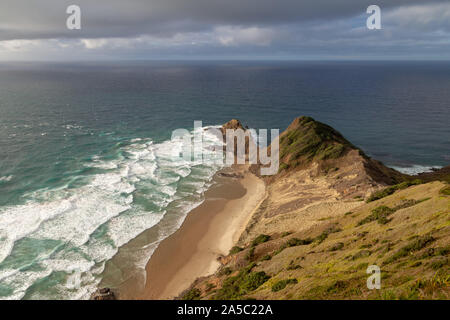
(208, 232)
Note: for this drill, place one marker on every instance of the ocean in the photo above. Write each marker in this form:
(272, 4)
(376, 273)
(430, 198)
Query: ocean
(85, 163)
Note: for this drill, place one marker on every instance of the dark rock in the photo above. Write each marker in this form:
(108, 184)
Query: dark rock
(104, 294)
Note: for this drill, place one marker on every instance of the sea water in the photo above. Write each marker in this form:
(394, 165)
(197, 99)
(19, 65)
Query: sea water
(85, 148)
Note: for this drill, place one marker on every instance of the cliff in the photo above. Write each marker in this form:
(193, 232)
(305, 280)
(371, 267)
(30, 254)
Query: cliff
(329, 213)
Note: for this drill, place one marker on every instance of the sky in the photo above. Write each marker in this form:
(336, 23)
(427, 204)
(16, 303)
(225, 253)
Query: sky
(224, 29)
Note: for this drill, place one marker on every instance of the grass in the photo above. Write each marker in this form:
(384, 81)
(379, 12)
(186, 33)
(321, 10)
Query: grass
(280, 285)
(427, 287)
(410, 254)
(392, 189)
(412, 247)
(310, 140)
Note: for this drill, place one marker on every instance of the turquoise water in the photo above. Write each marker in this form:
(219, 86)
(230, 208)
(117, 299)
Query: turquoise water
(85, 160)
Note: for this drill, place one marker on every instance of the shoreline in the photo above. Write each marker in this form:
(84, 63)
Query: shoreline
(208, 232)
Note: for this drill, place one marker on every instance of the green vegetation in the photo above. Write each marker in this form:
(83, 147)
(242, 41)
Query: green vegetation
(245, 282)
(293, 266)
(193, 294)
(209, 287)
(280, 285)
(337, 286)
(337, 246)
(236, 249)
(392, 189)
(439, 263)
(294, 242)
(382, 213)
(225, 271)
(361, 254)
(307, 139)
(379, 214)
(324, 235)
(412, 247)
(250, 254)
(445, 191)
(266, 257)
(260, 239)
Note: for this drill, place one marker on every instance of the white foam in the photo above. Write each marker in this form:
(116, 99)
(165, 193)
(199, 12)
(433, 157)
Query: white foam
(6, 178)
(416, 169)
(74, 215)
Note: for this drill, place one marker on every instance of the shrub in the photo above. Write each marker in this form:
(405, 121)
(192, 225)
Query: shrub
(266, 257)
(245, 282)
(379, 214)
(439, 263)
(250, 254)
(260, 239)
(324, 235)
(280, 285)
(193, 294)
(236, 249)
(293, 266)
(445, 191)
(294, 242)
(361, 254)
(209, 287)
(412, 247)
(337, 286)
(225, 271)
(392, 189)
(337, 246)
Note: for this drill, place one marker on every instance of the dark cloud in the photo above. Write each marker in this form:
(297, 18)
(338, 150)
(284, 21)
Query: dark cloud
(24, 19)
(223, 29)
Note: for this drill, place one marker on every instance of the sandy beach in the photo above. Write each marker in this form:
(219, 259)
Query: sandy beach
(208, 232)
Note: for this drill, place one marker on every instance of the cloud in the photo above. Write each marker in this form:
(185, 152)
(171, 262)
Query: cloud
(217, 28)
(23, 19)
(422, 18)
(234, 36)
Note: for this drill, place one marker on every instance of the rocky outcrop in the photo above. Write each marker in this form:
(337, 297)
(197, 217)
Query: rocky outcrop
(233, 124)
(104, 294)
